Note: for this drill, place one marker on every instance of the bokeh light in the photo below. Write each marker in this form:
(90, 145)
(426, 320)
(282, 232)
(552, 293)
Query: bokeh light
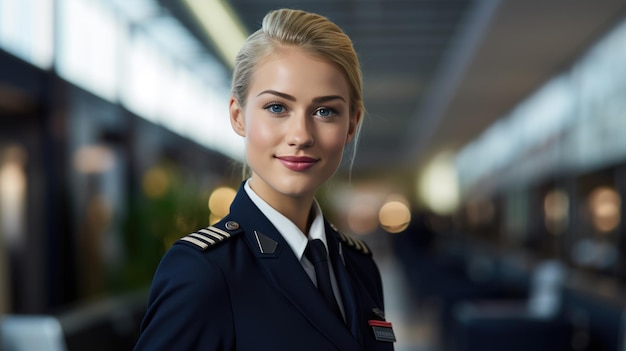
(219, 202)
(605, 205)
(93, 159)
(438, 185)
(363, 217)
(556, 211)
(155, 182)
(394, 215)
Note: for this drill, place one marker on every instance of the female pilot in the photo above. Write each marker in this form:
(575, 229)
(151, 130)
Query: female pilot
(274, 274)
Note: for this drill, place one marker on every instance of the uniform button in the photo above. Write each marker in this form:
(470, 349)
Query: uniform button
(230, 225)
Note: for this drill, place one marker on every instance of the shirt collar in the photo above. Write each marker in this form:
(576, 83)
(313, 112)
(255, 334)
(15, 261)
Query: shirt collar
(294, 237)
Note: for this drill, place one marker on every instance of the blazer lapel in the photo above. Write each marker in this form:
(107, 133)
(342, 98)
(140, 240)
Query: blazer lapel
(284, 271)
(344, 282)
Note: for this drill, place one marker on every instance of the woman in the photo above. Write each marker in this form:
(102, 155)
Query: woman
(252, 281)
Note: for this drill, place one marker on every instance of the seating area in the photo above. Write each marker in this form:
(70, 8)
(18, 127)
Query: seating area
(109, 324)
(503, 302)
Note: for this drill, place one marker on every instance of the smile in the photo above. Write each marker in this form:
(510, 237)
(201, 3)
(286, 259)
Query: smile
(297, 163)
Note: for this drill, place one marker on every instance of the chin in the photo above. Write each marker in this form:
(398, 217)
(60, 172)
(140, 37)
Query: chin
(298, 187)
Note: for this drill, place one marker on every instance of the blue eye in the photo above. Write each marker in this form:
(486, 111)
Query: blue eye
(276, 108)
(325, 112)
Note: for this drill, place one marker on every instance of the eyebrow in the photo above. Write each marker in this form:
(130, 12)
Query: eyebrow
(292, 98)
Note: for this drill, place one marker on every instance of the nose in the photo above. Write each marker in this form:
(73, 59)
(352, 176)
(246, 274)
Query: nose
(300, 131)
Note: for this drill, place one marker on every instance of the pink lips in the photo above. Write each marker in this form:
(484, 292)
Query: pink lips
(297, 163)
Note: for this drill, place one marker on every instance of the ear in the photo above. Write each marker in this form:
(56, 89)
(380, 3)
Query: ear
(354, 125)
(237, 120)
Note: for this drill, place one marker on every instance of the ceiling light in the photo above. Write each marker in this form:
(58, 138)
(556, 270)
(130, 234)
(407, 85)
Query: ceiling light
(221, 25)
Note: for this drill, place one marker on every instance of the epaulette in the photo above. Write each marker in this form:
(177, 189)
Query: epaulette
(212, 235)
(352, 242)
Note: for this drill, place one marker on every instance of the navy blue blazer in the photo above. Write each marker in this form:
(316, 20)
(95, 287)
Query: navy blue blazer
(237, 285)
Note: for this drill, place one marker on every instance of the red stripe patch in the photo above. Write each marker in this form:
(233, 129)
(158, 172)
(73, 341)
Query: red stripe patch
(376, 323)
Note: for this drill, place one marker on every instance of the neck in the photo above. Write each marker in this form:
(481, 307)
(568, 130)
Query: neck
(298, 209)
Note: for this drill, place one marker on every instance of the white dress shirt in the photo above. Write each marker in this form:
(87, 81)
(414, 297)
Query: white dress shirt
(296, 239)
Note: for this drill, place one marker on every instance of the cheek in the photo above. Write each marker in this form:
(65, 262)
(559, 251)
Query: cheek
(335, 142)
(258, 133)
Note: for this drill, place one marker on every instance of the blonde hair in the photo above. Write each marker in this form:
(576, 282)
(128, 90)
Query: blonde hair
(311, 32)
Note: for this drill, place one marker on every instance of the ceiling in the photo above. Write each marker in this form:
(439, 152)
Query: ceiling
(438, 72)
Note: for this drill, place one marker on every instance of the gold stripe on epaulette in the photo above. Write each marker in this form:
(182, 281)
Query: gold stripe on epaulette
(203, 238)
(350, 240)
(365, 249)
(207, 237)
(195, 241)
(219, 231)
(207, 232)
(344, 238)
(356, 243)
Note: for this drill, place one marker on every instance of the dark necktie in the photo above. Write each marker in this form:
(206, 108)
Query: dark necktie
(316, 253)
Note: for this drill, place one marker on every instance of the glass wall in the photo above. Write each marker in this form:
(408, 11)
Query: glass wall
(134, 53)
(112, 120)
(574, 123)
(558, 159)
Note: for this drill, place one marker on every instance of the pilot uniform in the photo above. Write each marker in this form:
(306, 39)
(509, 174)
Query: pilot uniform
(237, 285)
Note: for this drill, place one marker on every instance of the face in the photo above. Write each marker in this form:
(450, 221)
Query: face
(296, 123)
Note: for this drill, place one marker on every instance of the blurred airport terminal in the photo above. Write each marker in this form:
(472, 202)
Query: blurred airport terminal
(488, 179)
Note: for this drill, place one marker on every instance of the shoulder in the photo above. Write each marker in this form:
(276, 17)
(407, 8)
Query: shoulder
(191, 254)
(212, 236)
(190, 285)
(196, 261)
(359, 262)
(350, 241)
